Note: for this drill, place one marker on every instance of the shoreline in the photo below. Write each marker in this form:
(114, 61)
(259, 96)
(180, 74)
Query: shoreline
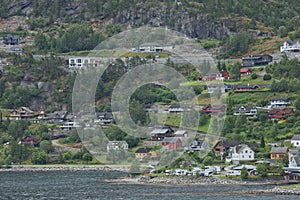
(200, 181)
(194, 181)
(210, 182)
(18, 168)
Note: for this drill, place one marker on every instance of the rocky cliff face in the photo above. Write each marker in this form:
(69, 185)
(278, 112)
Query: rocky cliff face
(193, 25)
(179, 18)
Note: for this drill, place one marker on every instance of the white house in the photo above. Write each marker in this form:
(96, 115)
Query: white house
(79, 62)
(279, 102)
(105, 118)
(295, 141)
(294, 159)
(290, 46)
(69, 125)
(222, 87)
(175, 108)
(116, 145)
(152, 47)
(248, 110)
(240, 152)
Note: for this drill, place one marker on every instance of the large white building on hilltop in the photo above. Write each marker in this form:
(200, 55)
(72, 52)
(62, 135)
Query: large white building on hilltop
(152, 47)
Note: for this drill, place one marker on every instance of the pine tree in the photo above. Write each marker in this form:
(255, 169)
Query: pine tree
(262, 142)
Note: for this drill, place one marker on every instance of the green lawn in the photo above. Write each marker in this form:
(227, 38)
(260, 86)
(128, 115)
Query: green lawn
(174, 120)
(254, 97)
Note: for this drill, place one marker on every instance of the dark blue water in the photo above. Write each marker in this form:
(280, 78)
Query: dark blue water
(91, 185)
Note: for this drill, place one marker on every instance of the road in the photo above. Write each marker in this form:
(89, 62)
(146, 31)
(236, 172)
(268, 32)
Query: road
(60, 148)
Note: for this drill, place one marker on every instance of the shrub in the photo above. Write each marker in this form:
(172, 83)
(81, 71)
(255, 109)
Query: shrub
(267, 77)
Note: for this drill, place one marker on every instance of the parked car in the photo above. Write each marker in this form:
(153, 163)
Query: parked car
(233, 173)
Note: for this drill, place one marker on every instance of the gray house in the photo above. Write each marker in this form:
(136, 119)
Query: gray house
(11, 39)
(196, 145)
(248, 110)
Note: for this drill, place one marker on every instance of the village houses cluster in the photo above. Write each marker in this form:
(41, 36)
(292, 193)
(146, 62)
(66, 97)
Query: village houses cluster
(168, 138)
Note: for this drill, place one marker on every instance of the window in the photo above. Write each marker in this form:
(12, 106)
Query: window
(250, 156)
(246, 151)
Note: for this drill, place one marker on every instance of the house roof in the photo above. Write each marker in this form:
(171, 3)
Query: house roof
(171, 139)
(296, 137)
(281, 99)
(281, 150)
(290, 43)
(244, 70)
(144, 150)
(149, 44)
(247, 87)
(175, 106)
(248, 167)
(281, 111)
(246, 108)
(297, 160)
(240, 147)
(116, 143)
(180, 132)
(214, 107)
(106, 115)
(227, 143)
(195, 143)
(160, 131)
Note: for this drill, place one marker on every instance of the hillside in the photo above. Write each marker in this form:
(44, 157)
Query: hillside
(197, 19)
(40, 77)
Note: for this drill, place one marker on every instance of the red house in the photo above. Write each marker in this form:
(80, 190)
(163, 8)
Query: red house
(220, 76)
(279, 114)
(214, 109)
(171, 143)
(29, 140)
(245, 71)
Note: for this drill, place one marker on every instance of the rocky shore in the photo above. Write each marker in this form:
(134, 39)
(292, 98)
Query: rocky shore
(277, 191)
(66, 168)
(177, 180)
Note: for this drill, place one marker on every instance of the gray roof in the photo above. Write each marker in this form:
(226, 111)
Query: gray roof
(160, 131)
(296, 137)
(171, 139)
(240, 147)
(144, 150)
(297, 159)
(150, 44)
(279, 150)
(247, 108)
(116, 143)
(180, 132)
(291, 42)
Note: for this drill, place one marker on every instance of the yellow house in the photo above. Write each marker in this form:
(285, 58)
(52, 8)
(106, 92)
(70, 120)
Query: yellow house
(145, 152)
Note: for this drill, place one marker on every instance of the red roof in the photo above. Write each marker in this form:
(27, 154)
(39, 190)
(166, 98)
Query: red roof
(278, 113)
(244, 70)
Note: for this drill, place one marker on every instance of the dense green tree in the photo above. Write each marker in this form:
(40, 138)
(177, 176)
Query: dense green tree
(253, 76)
(39, 157)
(262, 169)
(46, 146)
(262, 142)
(207, 161)
(244, 173)
(41, 42)
(87, 157)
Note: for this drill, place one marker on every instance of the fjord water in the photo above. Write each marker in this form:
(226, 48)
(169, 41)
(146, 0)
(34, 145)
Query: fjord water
(91, 185)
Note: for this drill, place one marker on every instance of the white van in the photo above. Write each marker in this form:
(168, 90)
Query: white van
(233, 173)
